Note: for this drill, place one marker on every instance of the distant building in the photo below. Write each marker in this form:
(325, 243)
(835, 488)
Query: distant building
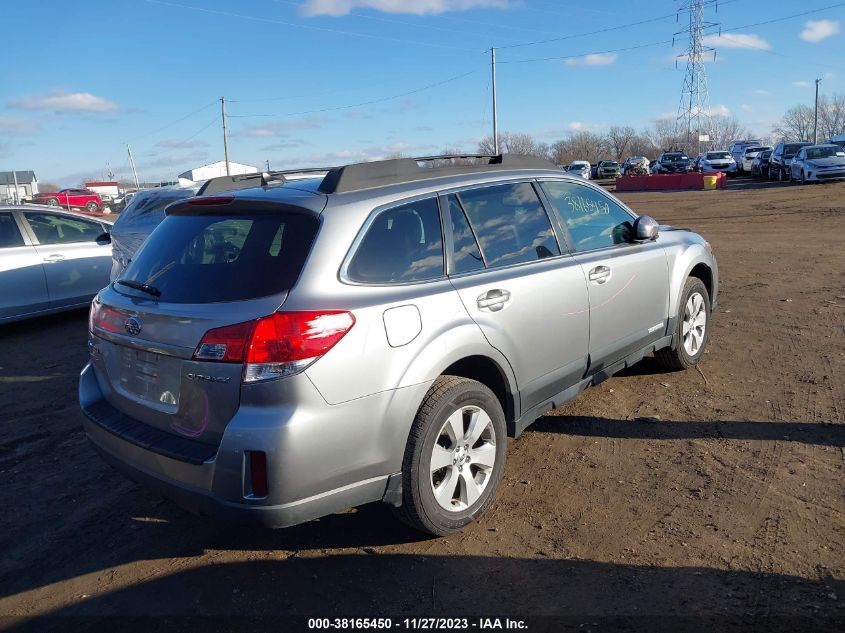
(215, 170)
(104, 188)
(27, 185)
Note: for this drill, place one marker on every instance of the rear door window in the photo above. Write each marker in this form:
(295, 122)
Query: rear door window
(510, 223)
(402, 244)
(210, 259)
(54, 228)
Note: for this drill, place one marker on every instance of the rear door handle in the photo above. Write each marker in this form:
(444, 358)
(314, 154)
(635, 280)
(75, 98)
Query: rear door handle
(54, 258)
(493, 300)
(600, 274)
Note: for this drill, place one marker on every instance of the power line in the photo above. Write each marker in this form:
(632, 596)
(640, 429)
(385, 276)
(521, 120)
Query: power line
(605, 52)
(609, 29)
(361, 104)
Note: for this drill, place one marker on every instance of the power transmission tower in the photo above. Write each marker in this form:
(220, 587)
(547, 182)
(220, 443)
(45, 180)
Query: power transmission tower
(694, 108)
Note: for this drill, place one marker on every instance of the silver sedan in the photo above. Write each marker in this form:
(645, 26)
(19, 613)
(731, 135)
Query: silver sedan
(50, 260)
(816, 163)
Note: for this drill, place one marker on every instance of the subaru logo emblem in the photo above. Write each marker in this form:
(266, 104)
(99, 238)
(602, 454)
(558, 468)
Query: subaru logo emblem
(133, 325)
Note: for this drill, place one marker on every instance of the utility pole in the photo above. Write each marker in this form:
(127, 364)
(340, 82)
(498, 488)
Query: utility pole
(495, 115)
(132, 164)
(268, 164)
(816, 115)
(17, 197)
(225, 134)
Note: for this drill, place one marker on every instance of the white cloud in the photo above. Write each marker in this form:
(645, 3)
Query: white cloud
(281, 128)
(595, 59)
(174, 143)
(66, 102)
(414, 7)
(760, 91)
(746, 108)
(14, 126)
(736, 40)
(801, 84)
(818, 30)
(575, 126)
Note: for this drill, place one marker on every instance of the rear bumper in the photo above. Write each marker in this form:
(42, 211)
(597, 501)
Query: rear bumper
(321, 459)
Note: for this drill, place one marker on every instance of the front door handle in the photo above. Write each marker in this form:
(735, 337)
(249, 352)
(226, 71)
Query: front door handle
(54, 258)
(493, 300)
(600, 274)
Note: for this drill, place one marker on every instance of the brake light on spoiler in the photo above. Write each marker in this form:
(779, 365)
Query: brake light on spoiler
(278, 345)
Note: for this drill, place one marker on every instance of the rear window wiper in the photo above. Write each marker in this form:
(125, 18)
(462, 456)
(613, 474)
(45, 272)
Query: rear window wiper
(137, 285)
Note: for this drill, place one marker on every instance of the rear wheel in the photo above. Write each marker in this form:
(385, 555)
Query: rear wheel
(92, 207)
(455, 456)
(693, 329)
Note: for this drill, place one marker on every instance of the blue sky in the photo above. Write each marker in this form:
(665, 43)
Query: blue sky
(318, 82)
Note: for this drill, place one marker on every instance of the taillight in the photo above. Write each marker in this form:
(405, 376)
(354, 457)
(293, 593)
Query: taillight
(105, 318)
(281, 344)
(206, 201)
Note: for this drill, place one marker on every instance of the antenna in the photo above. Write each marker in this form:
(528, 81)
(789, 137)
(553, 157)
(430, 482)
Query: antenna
(694, 107)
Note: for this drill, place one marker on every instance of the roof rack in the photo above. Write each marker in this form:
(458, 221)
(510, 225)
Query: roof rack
(257, 179)
(399, 170)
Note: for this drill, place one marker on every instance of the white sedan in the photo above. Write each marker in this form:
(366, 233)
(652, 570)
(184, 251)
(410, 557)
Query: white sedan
(50, 260)
(712, 162)
(580, 168)
(815, 163)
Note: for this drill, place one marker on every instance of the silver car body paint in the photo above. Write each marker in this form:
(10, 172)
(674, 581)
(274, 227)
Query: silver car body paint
(335, 433)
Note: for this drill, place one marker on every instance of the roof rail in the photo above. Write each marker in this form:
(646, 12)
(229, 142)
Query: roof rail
(399, 170)
(256, 179)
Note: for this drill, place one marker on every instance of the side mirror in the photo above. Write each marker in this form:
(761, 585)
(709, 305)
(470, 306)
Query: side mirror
(645, 229)
(104, 238)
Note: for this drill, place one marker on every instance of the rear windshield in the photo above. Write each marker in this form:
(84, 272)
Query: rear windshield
(209, 259)
(717, 155)
(791, 150)
(672, 158)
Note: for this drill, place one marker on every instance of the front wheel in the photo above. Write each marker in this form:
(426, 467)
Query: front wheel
(53, 202)
(693, 329)
(455, 456)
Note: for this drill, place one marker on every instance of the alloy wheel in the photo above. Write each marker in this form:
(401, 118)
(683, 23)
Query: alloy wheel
(695, 322)
(462, 458)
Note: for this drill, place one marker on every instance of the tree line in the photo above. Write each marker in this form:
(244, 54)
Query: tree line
(620, 142)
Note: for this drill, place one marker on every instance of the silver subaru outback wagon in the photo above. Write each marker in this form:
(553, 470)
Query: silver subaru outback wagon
(282, 353)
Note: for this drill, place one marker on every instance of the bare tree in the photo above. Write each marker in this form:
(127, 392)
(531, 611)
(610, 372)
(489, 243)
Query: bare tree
(724, 130)
(513, 143)
(47, 187)
(831, 116)
(619, 139)
(796, 124)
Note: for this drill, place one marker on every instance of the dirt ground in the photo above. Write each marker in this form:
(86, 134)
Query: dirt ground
(730, 505)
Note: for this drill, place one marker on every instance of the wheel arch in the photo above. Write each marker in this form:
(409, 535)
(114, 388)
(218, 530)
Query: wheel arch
(485, 370)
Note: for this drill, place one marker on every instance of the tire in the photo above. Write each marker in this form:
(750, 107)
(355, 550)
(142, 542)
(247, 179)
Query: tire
(780, 175)
(480, 416)
(803, 178)
(690, 346)
(53, 202)
(92, 207)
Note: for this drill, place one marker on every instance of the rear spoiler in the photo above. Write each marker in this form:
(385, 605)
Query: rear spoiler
(227, 205)
(257, 179)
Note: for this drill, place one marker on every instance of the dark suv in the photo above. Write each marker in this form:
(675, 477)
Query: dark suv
(673, 163)
(782, 156)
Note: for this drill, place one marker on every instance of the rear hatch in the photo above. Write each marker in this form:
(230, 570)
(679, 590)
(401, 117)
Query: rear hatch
(211, 263)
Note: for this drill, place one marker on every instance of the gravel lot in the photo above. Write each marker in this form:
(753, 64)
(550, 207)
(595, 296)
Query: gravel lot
(731, 504)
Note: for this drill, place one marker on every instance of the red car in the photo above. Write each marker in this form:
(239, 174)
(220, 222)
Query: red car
(71, 198)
